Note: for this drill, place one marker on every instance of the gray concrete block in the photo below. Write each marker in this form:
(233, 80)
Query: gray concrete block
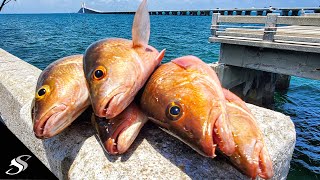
(77, 154)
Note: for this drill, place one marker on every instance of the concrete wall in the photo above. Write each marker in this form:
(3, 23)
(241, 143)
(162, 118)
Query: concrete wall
(76, 153)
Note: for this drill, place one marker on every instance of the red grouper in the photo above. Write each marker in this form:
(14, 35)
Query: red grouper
(185, 98)
(116, 69)
(62, 95)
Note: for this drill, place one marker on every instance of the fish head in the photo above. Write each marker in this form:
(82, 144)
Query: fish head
(61, 96)
(112, 70)
(185, 104)
(116, 69)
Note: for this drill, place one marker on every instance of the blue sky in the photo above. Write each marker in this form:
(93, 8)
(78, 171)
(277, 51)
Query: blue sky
(67, 6)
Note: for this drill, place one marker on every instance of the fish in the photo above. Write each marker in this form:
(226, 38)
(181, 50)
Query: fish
(117, 68)
(185, 98)
(117, 134)
(61, 96)
(180, 99)
(251, 155)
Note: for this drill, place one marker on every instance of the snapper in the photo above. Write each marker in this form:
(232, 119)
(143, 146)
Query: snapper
(61, 96)
(185, 98)
(116, 69)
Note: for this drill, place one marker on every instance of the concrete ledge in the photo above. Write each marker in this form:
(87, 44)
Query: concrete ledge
(76, 153)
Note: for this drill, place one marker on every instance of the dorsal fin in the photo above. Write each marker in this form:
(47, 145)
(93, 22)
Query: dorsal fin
(187, 62)
(141, 26)
(194, 63)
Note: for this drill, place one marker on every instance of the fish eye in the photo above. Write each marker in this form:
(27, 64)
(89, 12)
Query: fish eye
(99, 73)
(174, 111)
(42, 91)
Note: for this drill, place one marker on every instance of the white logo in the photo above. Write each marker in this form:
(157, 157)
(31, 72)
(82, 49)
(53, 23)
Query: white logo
(18, 163)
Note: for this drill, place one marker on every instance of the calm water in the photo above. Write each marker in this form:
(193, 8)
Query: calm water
(41, 39)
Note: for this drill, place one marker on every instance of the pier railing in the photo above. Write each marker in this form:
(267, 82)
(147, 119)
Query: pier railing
(292, 31)
(286, 44)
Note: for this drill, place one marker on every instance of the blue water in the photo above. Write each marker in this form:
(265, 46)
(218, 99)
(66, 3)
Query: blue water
(43, 38)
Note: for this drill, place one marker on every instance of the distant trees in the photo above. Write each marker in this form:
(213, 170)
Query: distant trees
(4, 2)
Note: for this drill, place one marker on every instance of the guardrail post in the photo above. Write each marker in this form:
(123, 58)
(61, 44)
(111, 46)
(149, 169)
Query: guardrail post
(214, 23)
(270, 27)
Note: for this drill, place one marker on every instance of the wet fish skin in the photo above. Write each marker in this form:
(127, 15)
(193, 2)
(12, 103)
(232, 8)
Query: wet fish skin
(251, 155)
(189, 84)
(116, 69)
(61, 96)
(117, 134)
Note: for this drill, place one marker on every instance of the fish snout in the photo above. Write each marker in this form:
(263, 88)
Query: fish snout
(111, 106)
(44, 123)
(265, 164)
(117, 134)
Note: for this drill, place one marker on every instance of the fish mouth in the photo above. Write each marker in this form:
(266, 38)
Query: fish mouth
(119, 133)
(51, 122)
(221, 136)
(110, 106)
(113, 142)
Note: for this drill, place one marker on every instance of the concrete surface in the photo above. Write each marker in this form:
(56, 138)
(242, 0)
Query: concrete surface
(76, 153)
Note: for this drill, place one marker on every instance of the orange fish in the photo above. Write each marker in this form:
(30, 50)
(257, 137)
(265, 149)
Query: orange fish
(116, 69)
(251, 155)
(185, 98)
(180, 97)
(118, 133)
(61, 96)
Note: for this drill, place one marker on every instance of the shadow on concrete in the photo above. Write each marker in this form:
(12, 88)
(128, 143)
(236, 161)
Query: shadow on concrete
(186, 159)
(59, 146)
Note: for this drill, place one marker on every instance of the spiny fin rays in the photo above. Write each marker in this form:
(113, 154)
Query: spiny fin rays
(141, 26)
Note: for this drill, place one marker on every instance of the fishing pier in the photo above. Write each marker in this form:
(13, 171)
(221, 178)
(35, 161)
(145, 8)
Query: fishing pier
(208, 12)
(259, 54)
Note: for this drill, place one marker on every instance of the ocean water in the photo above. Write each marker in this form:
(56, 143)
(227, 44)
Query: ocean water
(43, 38)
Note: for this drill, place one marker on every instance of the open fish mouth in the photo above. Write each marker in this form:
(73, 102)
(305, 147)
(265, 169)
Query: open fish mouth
(118, 134)
(113, 142)
(45, 126)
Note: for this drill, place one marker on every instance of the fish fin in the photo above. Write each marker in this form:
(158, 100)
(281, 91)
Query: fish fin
(141, 26)
(160, 56)
(187, 62)
(194, 63)
(232, 98)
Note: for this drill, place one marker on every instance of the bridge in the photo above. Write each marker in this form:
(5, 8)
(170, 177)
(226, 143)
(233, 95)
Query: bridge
(296, 11)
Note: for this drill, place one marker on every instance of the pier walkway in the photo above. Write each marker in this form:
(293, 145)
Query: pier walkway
(257, 51)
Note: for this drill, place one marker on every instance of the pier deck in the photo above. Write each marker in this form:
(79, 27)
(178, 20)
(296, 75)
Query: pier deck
(292, 42)
(258, 52)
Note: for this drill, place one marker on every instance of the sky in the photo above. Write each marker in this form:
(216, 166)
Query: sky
(69, 6)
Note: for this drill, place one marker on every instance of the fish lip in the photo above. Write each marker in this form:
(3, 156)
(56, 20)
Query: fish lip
(109, 104)
(41, 124)
(214, 144)
(112, 143)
